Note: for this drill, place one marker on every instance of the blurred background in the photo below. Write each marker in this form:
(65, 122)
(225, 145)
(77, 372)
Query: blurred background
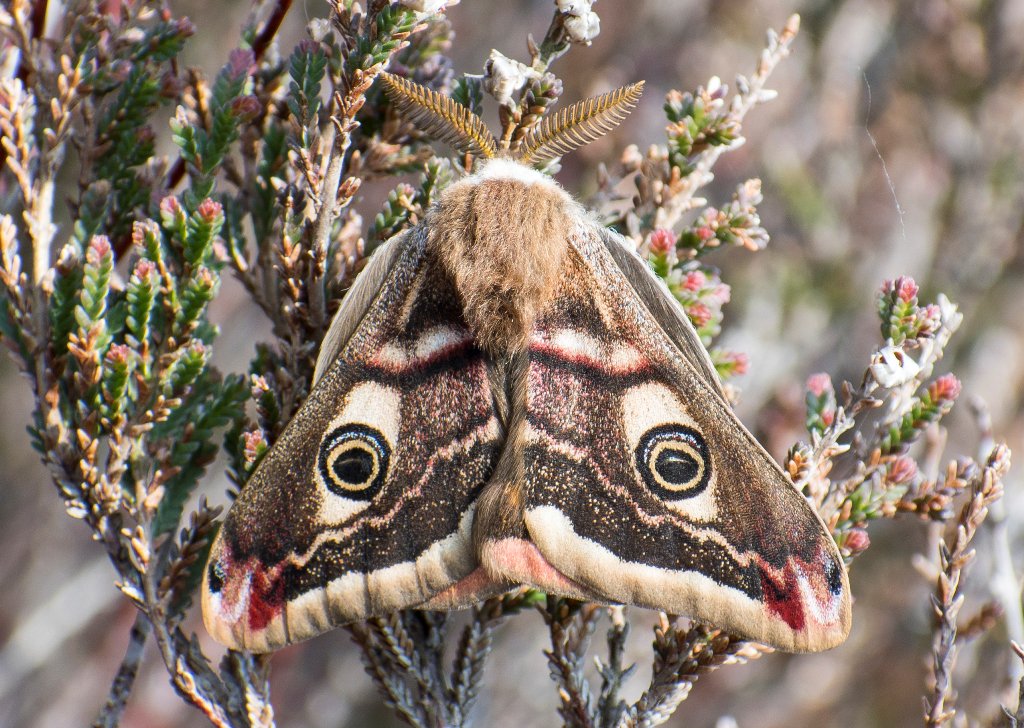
(896, 146)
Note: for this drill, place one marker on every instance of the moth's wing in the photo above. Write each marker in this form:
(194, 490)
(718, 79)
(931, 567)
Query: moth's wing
(364, 504)
(642, 487)
(357, 301)
(667, 312)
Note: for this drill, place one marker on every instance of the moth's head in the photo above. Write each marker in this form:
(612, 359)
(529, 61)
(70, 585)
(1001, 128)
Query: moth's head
(446, 120)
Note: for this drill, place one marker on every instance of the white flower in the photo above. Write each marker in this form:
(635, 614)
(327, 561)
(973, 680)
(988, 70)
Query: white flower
(948, 313)
(581, 23)
(891, 366)
(428, 7)
(504, 76)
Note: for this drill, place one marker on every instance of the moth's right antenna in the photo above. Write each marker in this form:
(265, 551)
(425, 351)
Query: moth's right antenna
(579, 124)
(440, 117)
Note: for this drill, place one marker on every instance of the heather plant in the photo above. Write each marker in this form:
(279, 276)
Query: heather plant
(256, 177)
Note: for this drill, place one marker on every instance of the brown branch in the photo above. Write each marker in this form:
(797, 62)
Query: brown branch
(124, 680)
(668, 213)
(1015, 719)
(954, 555)
(270, 28)
(38, 18)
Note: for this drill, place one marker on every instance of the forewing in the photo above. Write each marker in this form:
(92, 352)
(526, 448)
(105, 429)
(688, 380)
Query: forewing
(364, 504)
(642, 487)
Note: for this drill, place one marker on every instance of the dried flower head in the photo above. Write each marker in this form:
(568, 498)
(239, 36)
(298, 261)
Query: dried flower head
(428, 7)
(891, 366)
(581, 23)
(504, 76)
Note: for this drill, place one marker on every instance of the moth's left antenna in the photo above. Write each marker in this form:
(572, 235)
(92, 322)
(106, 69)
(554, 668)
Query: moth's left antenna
(579, 124)
(440, 117)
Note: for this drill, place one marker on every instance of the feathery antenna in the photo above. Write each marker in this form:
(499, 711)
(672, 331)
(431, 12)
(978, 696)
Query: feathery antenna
(443, 119)
(440, 117)
(579, 124)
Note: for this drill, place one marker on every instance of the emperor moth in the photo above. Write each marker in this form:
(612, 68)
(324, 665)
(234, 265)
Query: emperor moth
(509, 396)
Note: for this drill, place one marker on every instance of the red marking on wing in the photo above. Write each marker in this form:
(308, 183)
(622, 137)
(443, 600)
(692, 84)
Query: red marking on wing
(266, 600)
(591, 360)
(782, 596)
(251, 591)
(452, 350)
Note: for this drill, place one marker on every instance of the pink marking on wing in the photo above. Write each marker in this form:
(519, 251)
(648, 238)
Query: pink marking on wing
(520, 558)
(266, 600)
(467, 590)
(618, 360)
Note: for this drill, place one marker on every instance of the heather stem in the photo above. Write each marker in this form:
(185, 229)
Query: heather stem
(124, 681)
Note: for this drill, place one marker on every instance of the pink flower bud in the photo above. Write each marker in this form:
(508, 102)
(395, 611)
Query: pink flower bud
(818, 384)
(170, 205)
(740, 362)
(904, 287)
(694, 280)
(722, 293)
(699, 314)
(902, 470)
(205, 277)
(144, 269)
(99, 247)
(118, 354)
(209, 210)
(254, 440)
(856, 540)
(930, 318)
(662, 241)
(945, 388)
(704, 233)
(259, 386)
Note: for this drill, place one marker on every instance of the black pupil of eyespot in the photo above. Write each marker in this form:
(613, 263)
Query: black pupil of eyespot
(354, 467)
(676, 467)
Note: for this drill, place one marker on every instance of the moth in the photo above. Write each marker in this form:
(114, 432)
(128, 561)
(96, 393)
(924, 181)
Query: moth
(509, 396)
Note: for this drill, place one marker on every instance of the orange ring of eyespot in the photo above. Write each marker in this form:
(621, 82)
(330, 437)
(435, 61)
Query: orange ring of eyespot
(340, 450)
(686, 443)
(684, 447)
(343, 440)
